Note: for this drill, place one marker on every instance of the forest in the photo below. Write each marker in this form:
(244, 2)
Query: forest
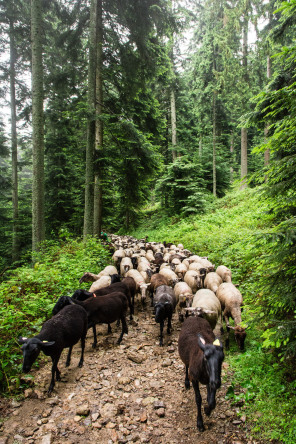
(168, 120)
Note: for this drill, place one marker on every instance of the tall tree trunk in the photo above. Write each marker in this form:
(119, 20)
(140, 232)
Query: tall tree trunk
(91, 125)
(98, 192)
(244, 131)
(267, 152)
(174, 124)
(38, 223)
(15, 206)
(244, 158)
(200, 147)
(214, 142)
(231, 154)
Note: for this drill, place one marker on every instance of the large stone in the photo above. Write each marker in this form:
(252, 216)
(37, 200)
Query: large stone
(83, 410)
(138, 358)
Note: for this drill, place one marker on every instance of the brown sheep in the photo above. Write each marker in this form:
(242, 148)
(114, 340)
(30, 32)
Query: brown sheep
(202, 355)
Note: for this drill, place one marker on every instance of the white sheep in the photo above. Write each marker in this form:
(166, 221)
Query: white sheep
(141, 285)
(212, 281)
(125, 265)
(231, 302)
(180, 270)
(102, 282)
(184, 298)
(192, 278)
(206, 300)
(170, 275)
(224, 272)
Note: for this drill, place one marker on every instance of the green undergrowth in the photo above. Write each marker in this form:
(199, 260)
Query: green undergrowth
(29, 293)
(237, 232)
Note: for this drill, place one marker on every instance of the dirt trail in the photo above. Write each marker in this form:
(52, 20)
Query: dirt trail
(123, 394)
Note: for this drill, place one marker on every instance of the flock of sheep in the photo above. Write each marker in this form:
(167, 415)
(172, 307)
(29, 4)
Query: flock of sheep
(173, 278)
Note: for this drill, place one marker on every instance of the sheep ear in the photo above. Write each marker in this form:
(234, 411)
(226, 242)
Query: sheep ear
(22, 340)
(46, 343)
(201, 342)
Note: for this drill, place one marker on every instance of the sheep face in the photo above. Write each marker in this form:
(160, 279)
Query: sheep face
(213, 358)
(240, 336)
(31, 348)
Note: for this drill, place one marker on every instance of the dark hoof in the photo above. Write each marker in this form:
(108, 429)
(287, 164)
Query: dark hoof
(207, 410)
(200, 427)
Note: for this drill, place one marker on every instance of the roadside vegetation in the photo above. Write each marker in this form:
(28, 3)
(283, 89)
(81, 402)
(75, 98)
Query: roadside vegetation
(237, 232)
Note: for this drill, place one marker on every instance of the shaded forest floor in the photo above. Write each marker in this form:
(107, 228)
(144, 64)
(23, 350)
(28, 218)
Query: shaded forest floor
(123, 394)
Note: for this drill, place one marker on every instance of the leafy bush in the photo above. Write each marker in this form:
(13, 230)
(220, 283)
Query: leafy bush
(239, 233)
(29, 294)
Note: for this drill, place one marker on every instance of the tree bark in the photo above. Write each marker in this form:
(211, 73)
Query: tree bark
(91, 125)
(14, 160)
(244, 158)
(244, 131)
(231, 154)
(38, 223)
(98, 191)
(214, 144)
(173, 124)
(267, 152)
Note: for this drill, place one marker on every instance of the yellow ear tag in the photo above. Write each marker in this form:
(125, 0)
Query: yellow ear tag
(44, 341)
(217, 342)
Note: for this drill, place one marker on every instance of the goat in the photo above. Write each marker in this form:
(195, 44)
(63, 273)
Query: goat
(164, 302)
(61, 331)
(202, 355)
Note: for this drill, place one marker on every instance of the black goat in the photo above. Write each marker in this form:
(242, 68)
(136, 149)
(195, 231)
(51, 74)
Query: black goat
(202, 355)
(61, 331)
(164, 302)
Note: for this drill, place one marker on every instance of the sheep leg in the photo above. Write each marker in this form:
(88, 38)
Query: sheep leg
(198, 400)
(187, 382)
(211, 399)
(124, 329)
(54, 371)
(169, 324)
(82, 351)
(227, 330)
(161, 325)
(95, 336)
(69, 356)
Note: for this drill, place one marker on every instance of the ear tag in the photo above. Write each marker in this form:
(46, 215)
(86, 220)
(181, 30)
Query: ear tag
(24, 339)
(44, 341)
(202, 340)
(217, 342)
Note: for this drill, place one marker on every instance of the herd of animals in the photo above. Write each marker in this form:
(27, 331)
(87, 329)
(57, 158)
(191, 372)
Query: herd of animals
(173, 279)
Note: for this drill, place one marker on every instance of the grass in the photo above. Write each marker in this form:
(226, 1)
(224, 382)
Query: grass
(28, 295)
(232, 234)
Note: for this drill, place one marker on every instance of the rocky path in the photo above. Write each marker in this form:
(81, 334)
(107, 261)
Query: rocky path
(123, 394)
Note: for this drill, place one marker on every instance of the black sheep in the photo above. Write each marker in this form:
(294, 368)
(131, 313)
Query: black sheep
(126, 286)
(61, 331)
(202, 355)
(164, 302)
(103, 309)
